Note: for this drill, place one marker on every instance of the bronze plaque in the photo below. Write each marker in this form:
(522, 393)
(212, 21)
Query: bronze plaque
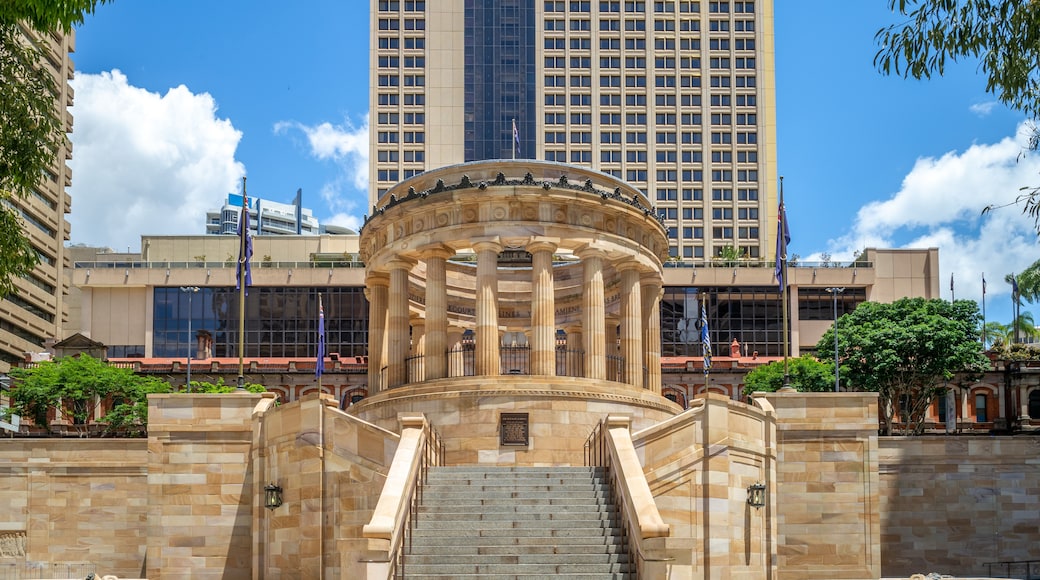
(514, 429)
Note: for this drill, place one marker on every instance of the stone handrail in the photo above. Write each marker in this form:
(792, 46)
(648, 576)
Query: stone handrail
(648, 536)
(393, 513)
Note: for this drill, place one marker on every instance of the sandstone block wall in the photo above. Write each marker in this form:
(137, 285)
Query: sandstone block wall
(202, 493)
(81, 502)
(952, 504)
(331, 467)
(828, 516)
(699, 466)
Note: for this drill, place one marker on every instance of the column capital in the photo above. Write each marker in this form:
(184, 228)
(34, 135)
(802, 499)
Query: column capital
(590, 251)
(377, 279)
(542, 245)
(400, 263)
(492, 244)
(436, 250)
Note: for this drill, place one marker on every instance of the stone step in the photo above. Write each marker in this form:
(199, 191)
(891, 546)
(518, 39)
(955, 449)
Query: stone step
(512, 542)
(519, 559)
(469, 501)
(600, 514)
(614, 576)
(467, 548)
(517, 482)
(502, 509)
(524, 532)
(436, 494)
(457, 570)
(495, 469)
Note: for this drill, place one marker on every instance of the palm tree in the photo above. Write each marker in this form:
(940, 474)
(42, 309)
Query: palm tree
(995, 332)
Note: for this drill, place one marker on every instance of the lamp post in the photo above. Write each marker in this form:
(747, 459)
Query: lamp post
(190, 291)
(837, 373)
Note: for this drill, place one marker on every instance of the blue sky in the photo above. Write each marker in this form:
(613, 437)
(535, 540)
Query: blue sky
(175, 102)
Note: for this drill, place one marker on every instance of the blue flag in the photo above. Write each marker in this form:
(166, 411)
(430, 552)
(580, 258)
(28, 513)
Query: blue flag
(246, 250)
(319, 368)
(783, 237)
(705, 338)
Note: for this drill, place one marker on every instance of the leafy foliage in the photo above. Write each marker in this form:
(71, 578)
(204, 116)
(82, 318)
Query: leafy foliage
(47, 15)
(1009, 351)
(76, 386)
(907, 352)
(31, 129)
(806, 374)
(1004, 35)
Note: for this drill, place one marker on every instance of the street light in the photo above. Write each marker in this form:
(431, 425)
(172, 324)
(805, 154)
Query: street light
(190, 290)
(837, 373)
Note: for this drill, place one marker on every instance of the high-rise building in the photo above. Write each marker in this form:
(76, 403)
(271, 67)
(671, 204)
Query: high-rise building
(36, 312)
(675, 97)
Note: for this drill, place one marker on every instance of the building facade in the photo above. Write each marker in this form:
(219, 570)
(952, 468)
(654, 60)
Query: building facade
(677, 98)
(268, 218)
(35, 314)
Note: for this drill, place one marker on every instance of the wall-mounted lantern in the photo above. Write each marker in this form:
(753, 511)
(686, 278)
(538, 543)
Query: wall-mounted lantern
(756, 495)
(272, 496)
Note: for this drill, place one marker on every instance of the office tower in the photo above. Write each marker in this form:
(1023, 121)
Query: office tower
(36, 312)
(675, 97)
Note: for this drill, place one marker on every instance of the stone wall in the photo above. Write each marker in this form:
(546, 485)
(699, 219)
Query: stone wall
(827, 485)
(202, 493)
(73, 501)
(699, 466)
(952, 504)
(331, 468)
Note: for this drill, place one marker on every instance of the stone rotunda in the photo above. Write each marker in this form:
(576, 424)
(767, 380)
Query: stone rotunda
(515, 304)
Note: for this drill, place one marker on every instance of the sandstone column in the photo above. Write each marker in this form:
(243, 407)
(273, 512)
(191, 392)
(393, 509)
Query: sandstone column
(593, 309)
(651, 293)
(543, 309)
(631, 325)
(376, 289)
(436, 348)
(398, 340)
(487, 360)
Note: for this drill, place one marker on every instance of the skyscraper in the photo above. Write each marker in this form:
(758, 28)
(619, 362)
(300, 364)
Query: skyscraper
(36, 312)
(675, 97)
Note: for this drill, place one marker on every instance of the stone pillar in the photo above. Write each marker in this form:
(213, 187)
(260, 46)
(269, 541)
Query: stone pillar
(631, 325)
(398, 341)
(593, 310)
(415, 369)
(486, 357)
(651, 293)
(377, 285)
(543, 309)
(435, 354)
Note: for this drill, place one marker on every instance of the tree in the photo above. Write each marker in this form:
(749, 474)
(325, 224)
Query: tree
(907, 352)
(806, 374)
(30, 127)
(76, 387)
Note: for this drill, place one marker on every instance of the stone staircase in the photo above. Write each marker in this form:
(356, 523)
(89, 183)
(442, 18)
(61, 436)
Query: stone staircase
(517, 522)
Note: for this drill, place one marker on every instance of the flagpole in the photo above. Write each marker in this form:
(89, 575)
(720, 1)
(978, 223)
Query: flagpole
(242, 289)
(783, 283)
(983, 310)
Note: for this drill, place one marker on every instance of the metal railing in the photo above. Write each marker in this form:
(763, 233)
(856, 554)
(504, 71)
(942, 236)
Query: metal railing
(1023, 569)
(30, 570)
(598, 455)
(213, 264)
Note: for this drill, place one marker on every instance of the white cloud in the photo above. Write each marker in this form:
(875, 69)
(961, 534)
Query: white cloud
(983, 109)
(940, 205)
(347, 146)
(146, 163)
